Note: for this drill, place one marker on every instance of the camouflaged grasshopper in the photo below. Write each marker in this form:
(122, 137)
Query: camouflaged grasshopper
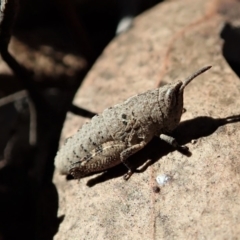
(122, 130)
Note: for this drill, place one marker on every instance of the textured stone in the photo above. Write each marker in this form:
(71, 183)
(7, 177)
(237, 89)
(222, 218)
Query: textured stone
(202, 199)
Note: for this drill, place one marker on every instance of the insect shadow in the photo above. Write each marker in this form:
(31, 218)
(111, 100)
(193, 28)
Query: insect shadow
(230, 49)
(186, 131)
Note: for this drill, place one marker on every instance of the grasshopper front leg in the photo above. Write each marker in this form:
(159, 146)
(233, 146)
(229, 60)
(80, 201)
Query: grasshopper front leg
(173, 142)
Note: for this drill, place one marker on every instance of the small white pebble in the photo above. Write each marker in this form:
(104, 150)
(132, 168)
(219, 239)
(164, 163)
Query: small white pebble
(162, 179)
(124, 24)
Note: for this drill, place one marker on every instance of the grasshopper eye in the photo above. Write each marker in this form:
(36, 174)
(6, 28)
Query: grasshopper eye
(170, 97)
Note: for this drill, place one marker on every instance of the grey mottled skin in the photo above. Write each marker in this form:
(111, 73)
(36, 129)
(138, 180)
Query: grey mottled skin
(120, 131)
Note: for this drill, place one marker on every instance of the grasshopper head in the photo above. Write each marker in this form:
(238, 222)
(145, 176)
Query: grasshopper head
(173, 100)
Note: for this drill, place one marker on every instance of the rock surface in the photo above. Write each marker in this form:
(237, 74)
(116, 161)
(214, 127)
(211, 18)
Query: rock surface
(201, 198)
